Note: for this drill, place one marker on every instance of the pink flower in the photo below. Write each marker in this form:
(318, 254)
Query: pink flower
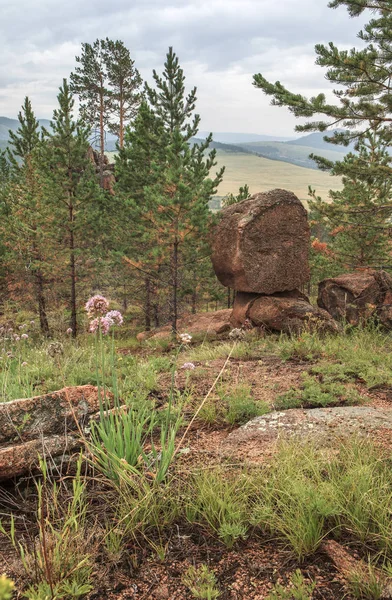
(115, 316)
(188, 365)
(100, 322)
(24, 364)
(97, 305)
(16, 338)
(24, 336)
(69, 331)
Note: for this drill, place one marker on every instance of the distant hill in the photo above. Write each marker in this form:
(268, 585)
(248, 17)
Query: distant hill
(316, 140)
(6, 124)
(239, 138)
(291, 153)
(224, 147)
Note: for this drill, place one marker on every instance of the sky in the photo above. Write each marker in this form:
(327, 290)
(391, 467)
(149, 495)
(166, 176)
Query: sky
(221, 44)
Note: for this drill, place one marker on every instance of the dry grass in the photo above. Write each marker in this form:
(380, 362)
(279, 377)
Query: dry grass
(262, 175)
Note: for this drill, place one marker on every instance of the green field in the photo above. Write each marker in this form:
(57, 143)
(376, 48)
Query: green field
(262, 175)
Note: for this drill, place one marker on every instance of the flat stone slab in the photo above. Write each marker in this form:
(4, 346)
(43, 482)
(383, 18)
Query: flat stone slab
(48, 414)
(46, 426)
(325, 426)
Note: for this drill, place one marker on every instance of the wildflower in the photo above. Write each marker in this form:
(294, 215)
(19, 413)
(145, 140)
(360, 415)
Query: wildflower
(185, 338)
(24, 364)
(188, 365)
(22, 326)
(16, 338)
(32, 322)
(69, 331)
(24, 336)
(115, 316)
(96, 305)
(104, 323)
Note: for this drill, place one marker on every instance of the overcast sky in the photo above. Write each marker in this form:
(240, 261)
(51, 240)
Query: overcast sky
(220, 43)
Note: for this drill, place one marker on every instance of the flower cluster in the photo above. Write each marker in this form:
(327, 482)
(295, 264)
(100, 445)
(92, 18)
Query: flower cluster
(7, 334)
(97, 305)
(115, 316)
(100, 318)
(188, 366)
(102, 323)
(185, 338)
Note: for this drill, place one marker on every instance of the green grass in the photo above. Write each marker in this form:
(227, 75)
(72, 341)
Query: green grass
(315, 394)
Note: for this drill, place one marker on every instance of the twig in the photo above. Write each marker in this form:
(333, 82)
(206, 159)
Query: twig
(204, 400)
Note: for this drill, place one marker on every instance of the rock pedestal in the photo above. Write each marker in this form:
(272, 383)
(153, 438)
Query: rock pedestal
(261, 245)
(287, 312)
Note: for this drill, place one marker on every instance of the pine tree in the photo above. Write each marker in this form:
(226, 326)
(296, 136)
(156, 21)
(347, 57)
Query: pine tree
(169, 186)
(358, 220)
(25, 220)
(25, 139)
(70, 185)
(179, 199)
(137, 168)
(243, 194)
(364, 74)
(358, 217)
(125, 86)
(90, 82)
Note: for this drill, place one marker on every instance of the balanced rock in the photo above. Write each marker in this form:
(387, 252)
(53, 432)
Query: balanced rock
(261, 245)
(288, 312)
(356, 297)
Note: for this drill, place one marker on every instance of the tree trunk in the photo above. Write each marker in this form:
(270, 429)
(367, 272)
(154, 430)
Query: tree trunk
(194, 298)
(156, 314)
(72, 264)
(101, 136)
(43, 319)
(147, 304)
(174, 315)
(125, 299)
(121, 128)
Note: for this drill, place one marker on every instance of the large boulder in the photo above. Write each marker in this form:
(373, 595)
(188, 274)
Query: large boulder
(261, 245)
(287, 313)
(356, 297)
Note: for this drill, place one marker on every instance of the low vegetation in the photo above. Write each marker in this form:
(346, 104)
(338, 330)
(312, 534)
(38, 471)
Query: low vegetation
(146, 486)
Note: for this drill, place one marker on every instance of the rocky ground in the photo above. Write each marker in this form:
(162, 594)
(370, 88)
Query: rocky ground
(254, 566)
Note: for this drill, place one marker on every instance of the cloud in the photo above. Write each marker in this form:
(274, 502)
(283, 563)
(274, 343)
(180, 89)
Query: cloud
(221, 44)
